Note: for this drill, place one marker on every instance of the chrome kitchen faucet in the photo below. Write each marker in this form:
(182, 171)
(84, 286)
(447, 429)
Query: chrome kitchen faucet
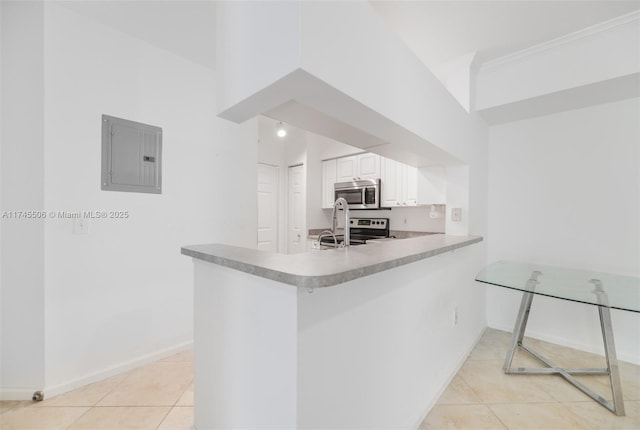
(341, 203)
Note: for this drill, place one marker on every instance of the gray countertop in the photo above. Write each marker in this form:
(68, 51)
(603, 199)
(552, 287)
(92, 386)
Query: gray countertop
(330, 267)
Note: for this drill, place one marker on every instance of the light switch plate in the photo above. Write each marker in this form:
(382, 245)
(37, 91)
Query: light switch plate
(456, 214)
(80, 226)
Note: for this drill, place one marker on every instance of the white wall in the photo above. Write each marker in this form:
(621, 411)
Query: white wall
(564, 190)
(122, 294)
(22, 274)
(257, 44)
(127, 276)
(1, 182)
(376, 68)
(603, 52)
(245, 357)
(388, 341)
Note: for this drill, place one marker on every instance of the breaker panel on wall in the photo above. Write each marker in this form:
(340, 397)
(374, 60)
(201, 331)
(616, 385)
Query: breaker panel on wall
(131, 156)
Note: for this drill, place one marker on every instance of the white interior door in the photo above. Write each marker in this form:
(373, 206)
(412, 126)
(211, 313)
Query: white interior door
(268, 207)
(296, 237)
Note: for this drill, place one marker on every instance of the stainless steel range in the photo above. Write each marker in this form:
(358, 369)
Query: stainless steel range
(362, 229)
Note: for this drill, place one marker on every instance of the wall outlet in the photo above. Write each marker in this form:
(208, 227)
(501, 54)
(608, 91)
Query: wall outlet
(456, 214)
(80, 226)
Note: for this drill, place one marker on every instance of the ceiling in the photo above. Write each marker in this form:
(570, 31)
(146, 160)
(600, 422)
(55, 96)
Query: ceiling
(437, 31)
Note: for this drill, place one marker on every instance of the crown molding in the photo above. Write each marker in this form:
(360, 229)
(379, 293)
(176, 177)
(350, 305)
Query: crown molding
(609, 25)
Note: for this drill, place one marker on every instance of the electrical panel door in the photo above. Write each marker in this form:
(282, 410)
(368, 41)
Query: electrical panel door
(131, 156)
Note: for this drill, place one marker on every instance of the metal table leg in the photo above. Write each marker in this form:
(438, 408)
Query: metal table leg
(617, 406)
(521, 320)
(609, 348)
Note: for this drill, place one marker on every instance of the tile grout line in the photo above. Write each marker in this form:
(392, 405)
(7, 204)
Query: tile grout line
(128, 374)
(96, 404)
(471, 388)
(497, 417)
(175, 403)
(77, 419)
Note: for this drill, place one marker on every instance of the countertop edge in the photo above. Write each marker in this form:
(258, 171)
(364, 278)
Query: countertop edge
(322, 280)
(252, 269)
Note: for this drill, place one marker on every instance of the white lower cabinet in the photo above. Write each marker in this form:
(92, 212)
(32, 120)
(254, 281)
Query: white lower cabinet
(404, 186)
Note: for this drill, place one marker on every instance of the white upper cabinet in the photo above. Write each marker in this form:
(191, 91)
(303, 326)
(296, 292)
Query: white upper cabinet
(328, 180)
(410, 187)
(356, 167)
(391, 183)
(368, 166)
(404, 186)
(346, 169)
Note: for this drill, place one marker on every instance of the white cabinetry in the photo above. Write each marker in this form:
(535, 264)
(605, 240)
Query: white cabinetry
(328, 181)
(356, 167)
(368, 166)
(346, 169)
(391, 183)
(404, 185)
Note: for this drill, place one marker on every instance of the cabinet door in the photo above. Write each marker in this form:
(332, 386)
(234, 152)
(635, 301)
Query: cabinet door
(347, 169)
(368, 166)
(328, 181)
(391, 183)
(410, 186)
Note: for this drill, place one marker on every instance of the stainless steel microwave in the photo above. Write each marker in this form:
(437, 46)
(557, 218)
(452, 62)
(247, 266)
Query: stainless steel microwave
(362, 194)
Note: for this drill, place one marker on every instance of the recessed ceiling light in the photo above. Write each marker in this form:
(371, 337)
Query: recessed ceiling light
(281, 131)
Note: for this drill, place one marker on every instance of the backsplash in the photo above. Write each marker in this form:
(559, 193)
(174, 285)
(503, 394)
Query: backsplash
(400, 219)
(409, 219)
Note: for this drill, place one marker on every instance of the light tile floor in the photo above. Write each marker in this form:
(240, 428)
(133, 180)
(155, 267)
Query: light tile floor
(481, 396)
(159, 396)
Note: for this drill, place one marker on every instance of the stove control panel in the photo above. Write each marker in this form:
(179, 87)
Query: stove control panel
(375, 223)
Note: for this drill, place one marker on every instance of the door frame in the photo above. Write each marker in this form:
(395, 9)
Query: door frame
(303, 238)
(278, 206)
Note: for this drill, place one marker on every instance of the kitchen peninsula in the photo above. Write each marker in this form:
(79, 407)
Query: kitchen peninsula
(361, 337)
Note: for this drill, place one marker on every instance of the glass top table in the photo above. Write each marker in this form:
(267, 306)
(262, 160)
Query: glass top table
(603, 290)
(622, 292)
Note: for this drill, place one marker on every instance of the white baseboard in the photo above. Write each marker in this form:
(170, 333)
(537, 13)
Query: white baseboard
(10, 393)
(459, 364)
(17, 393)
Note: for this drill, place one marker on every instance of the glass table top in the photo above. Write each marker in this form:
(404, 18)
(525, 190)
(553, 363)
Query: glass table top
(614, 291)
